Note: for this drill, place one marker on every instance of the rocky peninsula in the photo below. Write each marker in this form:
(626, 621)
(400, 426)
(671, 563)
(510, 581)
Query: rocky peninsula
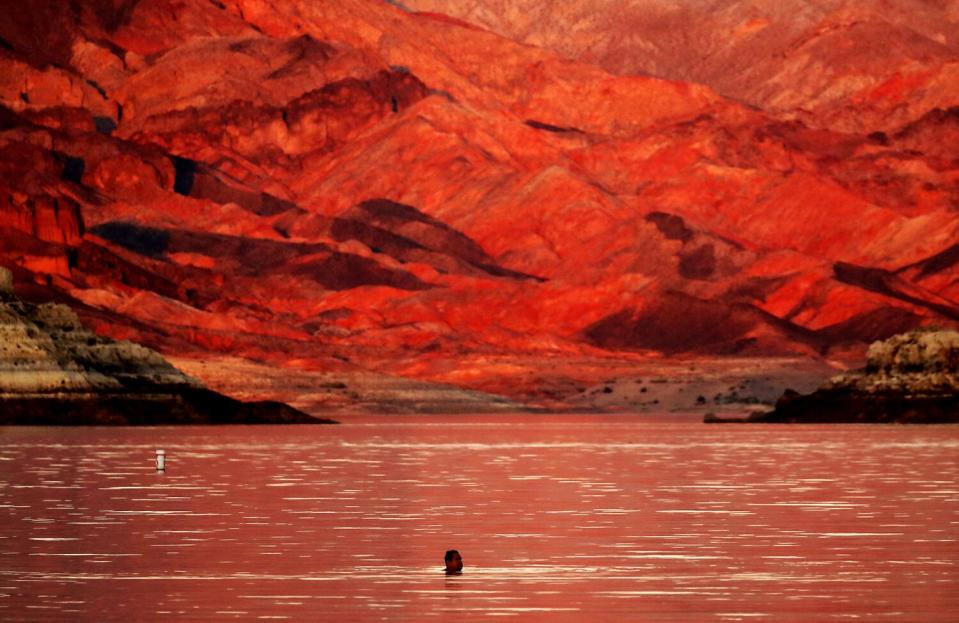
(910, 378)
(54, 371)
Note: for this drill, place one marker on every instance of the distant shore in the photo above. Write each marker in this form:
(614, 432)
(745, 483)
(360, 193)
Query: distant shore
(518, 384)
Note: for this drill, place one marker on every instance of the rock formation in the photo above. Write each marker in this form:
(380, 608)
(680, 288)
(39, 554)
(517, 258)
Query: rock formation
(354, 187)
(6, 280)
(53, 371)
(909, 378)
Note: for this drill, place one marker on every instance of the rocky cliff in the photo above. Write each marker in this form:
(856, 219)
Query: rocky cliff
(55, 371)
(909, 378)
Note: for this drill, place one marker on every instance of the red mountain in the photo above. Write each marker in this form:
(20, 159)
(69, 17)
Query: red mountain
(832, 63)
(349, 190)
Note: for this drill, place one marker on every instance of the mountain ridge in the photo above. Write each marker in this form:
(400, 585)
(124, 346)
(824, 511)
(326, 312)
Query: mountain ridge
(357, 188)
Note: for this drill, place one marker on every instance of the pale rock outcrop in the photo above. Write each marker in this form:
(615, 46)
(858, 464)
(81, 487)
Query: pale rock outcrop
(922, 351)
(45, 348)
(53, 370)
(912, 377)
(6, 280)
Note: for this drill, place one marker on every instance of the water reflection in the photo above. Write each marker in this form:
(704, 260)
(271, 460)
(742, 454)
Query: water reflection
(561, 519)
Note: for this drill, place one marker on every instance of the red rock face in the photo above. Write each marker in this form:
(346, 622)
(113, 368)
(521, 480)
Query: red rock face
(833, 63)
(350, 185)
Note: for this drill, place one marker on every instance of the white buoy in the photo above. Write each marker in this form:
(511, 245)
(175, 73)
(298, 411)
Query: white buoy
(161, 460)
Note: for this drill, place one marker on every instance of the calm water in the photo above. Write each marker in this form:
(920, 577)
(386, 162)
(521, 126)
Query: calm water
(557, 518)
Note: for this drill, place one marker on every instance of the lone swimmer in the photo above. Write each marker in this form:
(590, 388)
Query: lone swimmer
(454, 562)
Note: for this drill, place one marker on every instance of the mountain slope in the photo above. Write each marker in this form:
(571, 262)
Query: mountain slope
(351, 187)
(833, 63)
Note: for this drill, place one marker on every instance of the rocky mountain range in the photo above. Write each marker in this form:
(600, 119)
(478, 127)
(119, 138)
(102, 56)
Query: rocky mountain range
(464, 196)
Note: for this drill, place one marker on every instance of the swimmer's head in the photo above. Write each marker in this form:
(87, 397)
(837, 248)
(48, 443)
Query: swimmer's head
(454, 562)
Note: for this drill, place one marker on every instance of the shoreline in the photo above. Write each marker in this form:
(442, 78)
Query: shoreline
(533, 385)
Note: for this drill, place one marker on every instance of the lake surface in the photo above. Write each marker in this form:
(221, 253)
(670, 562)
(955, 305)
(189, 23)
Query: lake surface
(557, 518)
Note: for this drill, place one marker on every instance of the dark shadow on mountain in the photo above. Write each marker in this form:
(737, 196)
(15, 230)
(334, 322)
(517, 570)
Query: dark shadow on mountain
(944, 260)
(889, 284)
(417, 228)
(877, 324)
(548, 127)
(147, 241)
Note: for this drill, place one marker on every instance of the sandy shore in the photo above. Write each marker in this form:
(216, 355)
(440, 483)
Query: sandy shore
(329, 393)
(516, 384)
